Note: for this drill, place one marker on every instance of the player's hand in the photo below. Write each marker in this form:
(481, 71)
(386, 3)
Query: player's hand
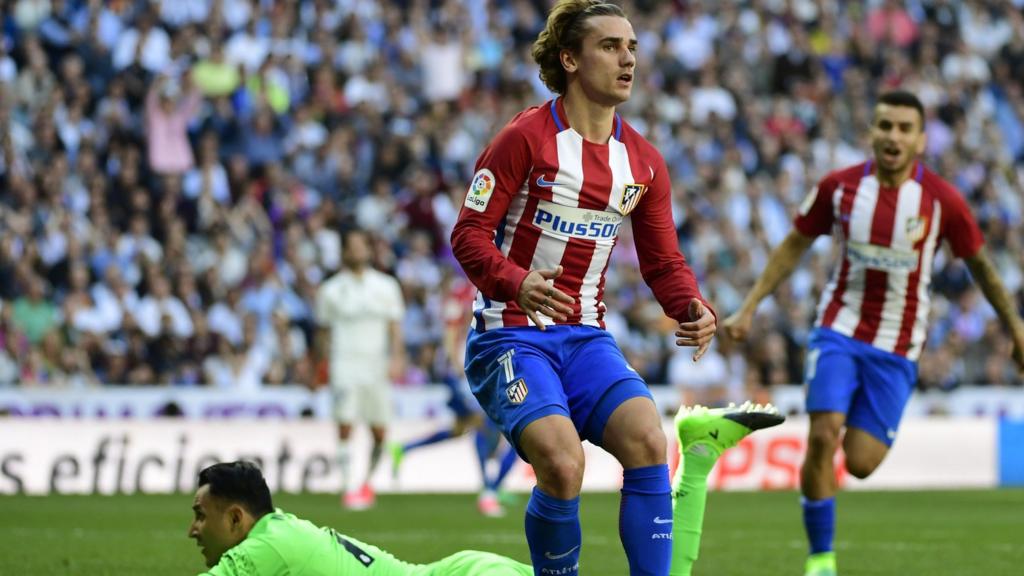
(1018, 348)
(538, 295)
(396, 368)
(699, 331)
(737, 325)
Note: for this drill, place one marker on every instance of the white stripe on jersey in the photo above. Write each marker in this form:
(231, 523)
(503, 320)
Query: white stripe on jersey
(622, 174)
(861, 218)
(919, 334)
(908, 206)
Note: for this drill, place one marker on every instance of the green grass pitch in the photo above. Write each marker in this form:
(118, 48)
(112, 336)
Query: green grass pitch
(884, 533)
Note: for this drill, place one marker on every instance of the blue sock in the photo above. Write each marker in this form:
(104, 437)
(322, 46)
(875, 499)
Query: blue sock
(439, 436)
(483, 450)
(820, 523)
(553, 533)
(508, 460)
(645, 520)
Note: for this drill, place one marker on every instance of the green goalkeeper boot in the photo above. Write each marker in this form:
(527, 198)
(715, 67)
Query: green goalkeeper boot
(722, 428)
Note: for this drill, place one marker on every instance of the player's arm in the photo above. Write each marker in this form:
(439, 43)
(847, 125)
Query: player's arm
(665, 270)
(815, 218)
(961, 230)
(500, 172)
(396, 340)
(397, 349)
(987, 277)
(781, 263)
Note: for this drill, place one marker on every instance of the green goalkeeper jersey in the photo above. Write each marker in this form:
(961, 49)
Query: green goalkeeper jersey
(281, 544)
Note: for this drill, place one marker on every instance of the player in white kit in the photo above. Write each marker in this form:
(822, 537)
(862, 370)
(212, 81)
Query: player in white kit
(359, 310)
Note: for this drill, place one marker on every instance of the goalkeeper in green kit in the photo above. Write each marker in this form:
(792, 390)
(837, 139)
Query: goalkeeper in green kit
(241, 533)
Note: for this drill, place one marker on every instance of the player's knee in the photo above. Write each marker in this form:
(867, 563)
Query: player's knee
(649, 446)
(560, 474)
(822, 441)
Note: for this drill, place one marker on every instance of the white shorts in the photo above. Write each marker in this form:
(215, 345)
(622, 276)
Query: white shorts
(362, 401)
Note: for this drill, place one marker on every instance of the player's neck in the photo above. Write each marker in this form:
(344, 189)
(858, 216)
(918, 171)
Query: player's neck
(593, 121)
(894, 179)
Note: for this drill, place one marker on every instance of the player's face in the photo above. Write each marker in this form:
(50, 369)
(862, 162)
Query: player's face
(606, 63)
(211, 527)
(356, 251)
(897, 137)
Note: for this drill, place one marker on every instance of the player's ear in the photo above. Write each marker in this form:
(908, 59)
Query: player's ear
(236, 516)
(568, 60)
(922, 142)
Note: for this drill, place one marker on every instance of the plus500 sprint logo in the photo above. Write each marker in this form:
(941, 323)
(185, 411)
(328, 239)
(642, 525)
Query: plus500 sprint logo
(577, 222)
(880, 257)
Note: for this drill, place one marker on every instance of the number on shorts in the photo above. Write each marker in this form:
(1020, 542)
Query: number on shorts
(506, 363)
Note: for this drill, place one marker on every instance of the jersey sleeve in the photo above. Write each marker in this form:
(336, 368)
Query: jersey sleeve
(250, 558)
(662, 265)
(816, 215)
(959, 226)
(500, 172)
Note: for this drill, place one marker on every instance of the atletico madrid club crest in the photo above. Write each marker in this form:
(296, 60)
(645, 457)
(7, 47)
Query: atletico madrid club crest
(916, 228)
(517, 391)
(630, 196)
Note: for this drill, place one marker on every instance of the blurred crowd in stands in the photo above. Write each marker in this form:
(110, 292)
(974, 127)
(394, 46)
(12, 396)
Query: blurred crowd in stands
(174, 174)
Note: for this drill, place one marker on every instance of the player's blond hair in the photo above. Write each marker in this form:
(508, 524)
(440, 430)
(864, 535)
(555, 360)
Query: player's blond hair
(564, 30)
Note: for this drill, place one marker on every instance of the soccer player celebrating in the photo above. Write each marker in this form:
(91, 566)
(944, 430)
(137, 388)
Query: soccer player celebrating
(889, 215)
(240, 533)
(535, 235)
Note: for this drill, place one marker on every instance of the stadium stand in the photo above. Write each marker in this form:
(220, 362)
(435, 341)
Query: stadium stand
(173, 175)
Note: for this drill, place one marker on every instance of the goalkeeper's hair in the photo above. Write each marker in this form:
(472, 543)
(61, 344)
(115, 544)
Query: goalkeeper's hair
(564, 30)
(239, 482)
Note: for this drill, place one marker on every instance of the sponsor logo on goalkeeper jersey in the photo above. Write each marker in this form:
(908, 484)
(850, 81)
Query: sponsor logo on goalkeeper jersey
(578, 223)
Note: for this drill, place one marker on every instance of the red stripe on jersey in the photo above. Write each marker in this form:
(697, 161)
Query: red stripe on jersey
(910, 309)
(524, 244)
(594, 194)
(877, 281)
(845, 209)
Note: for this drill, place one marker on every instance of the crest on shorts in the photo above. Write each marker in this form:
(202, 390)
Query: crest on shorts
(916, 228)
(630, 196)
(517, 391)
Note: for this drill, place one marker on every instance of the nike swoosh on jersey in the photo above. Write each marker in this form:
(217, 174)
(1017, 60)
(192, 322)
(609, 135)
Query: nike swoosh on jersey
(660, 520)
(551, 556)
(545, 183)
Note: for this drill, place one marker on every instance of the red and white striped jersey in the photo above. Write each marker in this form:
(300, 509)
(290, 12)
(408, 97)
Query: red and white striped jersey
(543, 196)
(879, 292)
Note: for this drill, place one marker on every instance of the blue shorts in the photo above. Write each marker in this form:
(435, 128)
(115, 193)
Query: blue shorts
(523, 374)
(460, 398)
(869, 385)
